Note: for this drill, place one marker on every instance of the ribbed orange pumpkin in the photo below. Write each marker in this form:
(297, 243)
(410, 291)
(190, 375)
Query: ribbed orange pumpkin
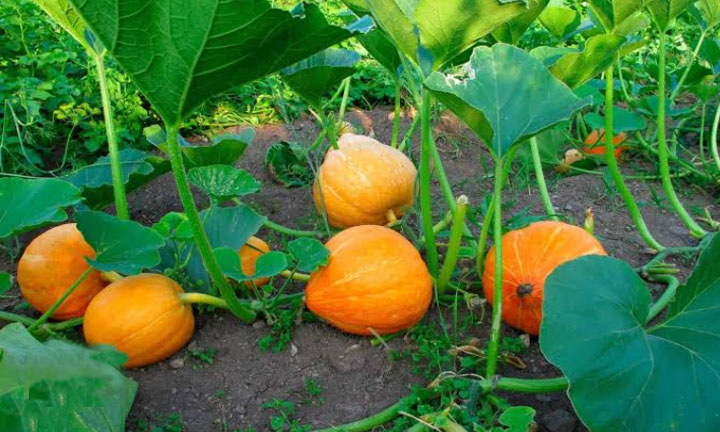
(51, 263)
(363, 181)
(529, 256)
(249, 254)
(594, 147)
(141, 316)
(375, 279)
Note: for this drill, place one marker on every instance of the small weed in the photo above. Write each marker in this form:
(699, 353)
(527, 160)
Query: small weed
(204, 355)
(284, 421)
(313, 390)
(169, 423)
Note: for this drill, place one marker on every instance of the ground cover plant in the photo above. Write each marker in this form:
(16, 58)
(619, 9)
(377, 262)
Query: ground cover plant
(523, 240)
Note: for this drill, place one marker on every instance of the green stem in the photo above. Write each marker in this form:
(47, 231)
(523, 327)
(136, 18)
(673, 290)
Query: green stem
(330, 131)
(425, 191)
(695, 229)
(487, 222)
(48, 313)
(451, 257)
(376, 420)
(447, 220)
(290, 231)
(343, 104)
(11, 317)
(201, 240)
(396, 120)
(685, 74)
(669, 294)
(714, 137)
(409, 134)
(200, 298)
(121, 203)
(612, 165)
(520, 385)
(300, 277)
(703, 118)
(540, 177)
(494, 344)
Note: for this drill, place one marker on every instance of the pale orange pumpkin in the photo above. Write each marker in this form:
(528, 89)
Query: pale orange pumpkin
(51, 263)
(141, 316)
(529, 256)
(364, 182)
(375, 279)
(593, 145)
(249, 254)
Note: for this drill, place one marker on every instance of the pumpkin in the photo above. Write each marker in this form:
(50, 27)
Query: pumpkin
(594, 147)
(529, 256)
(141, 316)
(375, 282)
(249, 254)
(51, 263)
(364, 182)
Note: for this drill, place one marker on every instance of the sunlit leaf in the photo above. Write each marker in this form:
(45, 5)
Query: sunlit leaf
(505, 96)
(446, 28)
(29, 203)
(61, 386)
(575, 69)
(120, 245)
(710, 10)
(625, 375)
(223, 182)
(560, 20)
(511, 31)
(612, 13)
(320, 74)
(63, 13)
(664, 12)
(181, 53)
(224, 149)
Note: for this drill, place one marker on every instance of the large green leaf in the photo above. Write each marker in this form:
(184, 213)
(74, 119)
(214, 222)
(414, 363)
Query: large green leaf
(710, 10)
(612, 13)
(446, 28)
(511, 31)
(59, 386)
(95, 181)
(623, 375)
(575, 69)
(506, 96)
(664, 12)
(318, 75)
(120, 245)
(180, 53)
(67, 17)
(224, 149)
(560, 20)
(381, 48)
(29, 203)
(223, 182)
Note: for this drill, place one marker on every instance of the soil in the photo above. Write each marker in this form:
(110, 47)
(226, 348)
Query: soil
(358, 379)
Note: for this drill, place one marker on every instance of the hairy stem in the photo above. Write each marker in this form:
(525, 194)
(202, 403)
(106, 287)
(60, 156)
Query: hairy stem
(425, 191)
(494, 343)
(396, 120)
(524, 385)
(667, 296)
(451, 257)
(201, 240)
(343, 104)
(614, 171)
(121, 203)
(695, 229)
(540, 177)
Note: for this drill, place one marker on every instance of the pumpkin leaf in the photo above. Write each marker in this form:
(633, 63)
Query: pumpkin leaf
(612, 13)
(512, 30)
(560, 20)
(382, 49)
(225, 149)
(440, 30)
(318, 75)
(267, 265)
(225, 44)
(664, 12)
(30, 203)
(6, 282)
(95, 181)
(174, 225)
(63, 13)
(623, 121)
(503, 96)
(310, 254)
(223, 182)
(289, 165)
(624, 375)
(61, 386)
(120, 245)
(517, 419)
(710, 10)
(575, 69)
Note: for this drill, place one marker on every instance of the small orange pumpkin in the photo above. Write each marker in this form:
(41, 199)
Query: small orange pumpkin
(51, 263)
(364, 182)
(594, 147)
(375, 279)
(249, 254)
(529, 256)
(141, 316)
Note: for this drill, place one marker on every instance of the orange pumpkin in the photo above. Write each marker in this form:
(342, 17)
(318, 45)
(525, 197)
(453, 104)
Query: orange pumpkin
(51, 263)
(249, 254)
(364, 182)
(529, 256)
(594, 147)
(141, 316)
(375, 279)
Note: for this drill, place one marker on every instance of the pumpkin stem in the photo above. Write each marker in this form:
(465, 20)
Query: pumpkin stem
(524, 290)
(111, 276)
(391, 217)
